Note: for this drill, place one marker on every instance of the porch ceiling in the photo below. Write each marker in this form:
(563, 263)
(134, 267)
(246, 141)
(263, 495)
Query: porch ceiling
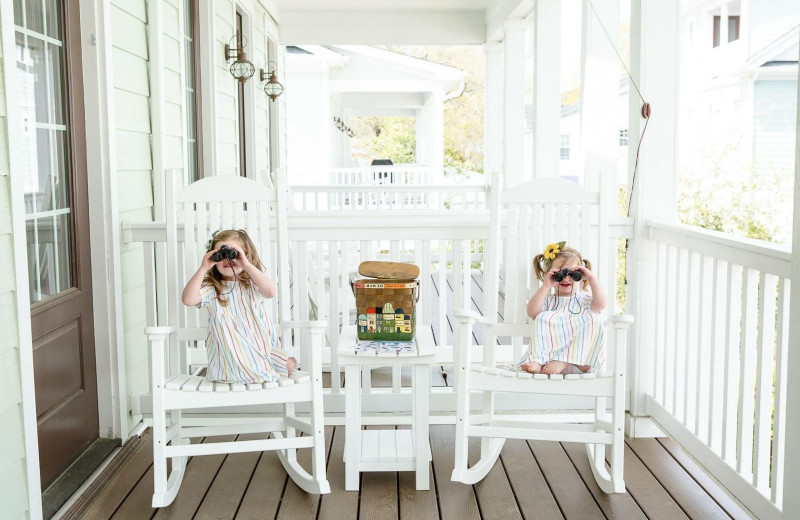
(384, 22)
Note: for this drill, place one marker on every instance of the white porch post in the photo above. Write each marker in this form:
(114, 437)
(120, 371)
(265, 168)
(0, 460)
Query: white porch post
(493, 110)
(514, 107)
(791, 501)
(654, 40)
(599, 92)
(546, 88)
(436, 159)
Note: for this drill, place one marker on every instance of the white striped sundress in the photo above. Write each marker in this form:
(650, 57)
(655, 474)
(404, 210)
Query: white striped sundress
(568, 330)
(242, 344)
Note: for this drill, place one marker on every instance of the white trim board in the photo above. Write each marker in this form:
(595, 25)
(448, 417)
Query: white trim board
(104, 229)
(24, 334)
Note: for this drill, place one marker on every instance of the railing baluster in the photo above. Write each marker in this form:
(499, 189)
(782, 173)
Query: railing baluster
(764, 369)
(733, 334)
(779, 410)
(744, 445)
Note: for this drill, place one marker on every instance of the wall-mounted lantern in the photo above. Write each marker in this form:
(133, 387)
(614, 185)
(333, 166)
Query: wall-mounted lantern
(241, 69)
(272, 87)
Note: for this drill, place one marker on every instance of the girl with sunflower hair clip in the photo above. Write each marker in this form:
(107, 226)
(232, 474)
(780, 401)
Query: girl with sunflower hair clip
(568, 336)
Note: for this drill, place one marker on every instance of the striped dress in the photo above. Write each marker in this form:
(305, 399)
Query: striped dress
(242, 344)
(568, 330)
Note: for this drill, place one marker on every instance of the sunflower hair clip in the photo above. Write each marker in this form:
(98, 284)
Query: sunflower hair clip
(211, 240)
(552, 250)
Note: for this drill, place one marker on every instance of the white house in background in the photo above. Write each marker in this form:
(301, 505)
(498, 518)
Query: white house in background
(324, 83)
(743, 55)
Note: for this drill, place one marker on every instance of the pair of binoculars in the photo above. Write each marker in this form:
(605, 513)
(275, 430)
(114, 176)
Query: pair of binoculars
(224, 253)
(563, 273)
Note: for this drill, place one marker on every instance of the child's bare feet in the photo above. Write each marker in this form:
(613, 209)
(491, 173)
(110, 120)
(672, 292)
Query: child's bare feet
(532, 367)
(290, 365)
(554, 367)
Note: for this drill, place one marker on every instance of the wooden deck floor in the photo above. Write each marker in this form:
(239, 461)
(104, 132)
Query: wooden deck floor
(533, 480)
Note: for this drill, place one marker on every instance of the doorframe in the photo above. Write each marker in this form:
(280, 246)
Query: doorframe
(104, 224)
(23, 300)
(103, 232)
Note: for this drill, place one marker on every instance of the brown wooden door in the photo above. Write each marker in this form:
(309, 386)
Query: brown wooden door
(48, 62)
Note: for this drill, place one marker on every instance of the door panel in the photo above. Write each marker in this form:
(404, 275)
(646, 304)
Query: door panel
(57, 221)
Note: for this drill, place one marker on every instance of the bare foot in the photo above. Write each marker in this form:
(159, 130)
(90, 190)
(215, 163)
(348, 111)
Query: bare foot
(290, 365)
(532, 367)
(584, 368)
(554, 367)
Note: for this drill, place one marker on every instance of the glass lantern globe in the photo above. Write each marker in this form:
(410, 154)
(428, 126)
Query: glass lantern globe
(273, 88)
(242, 70)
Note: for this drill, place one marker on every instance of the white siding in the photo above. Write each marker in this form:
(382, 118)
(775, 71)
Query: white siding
(774, 127)
(134, 167)
(13, 472)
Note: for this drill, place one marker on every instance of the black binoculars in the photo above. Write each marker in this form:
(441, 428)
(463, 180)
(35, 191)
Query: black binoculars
(224, 253)
(563, 273)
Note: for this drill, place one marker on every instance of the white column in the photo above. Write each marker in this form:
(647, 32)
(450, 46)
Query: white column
(514, 106)
(436, 148)
(546, 88)
(791, 501)
(493, 110)
(600, 91)
(723, 24)
(654, 39)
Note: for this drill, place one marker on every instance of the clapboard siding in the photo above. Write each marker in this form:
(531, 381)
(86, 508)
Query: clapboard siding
(775, 114)
(134, 165)
(13, 470)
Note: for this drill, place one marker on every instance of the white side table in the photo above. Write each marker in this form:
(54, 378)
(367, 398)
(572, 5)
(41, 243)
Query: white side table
(387, 450)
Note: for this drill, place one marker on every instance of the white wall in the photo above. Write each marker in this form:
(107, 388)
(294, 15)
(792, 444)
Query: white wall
(309, 125)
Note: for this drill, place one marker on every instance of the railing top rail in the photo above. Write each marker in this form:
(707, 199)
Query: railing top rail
(401, 188)
(383, 168)
(754, 254)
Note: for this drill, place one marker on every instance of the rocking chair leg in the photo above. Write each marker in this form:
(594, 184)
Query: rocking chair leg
(288, 411)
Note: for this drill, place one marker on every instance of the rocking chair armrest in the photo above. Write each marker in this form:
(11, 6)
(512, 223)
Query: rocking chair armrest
(620, 321)
(311, 324)
(467, 316)
(155, 332)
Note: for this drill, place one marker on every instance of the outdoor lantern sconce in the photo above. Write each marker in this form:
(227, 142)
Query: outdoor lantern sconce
(272, 87)
(241, 69)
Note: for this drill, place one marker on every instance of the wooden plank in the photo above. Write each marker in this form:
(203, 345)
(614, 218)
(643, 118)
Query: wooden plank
(297, 503)
(416, 504)
(707, 483)
(689, 495)
(200, 473)
(265, 489)
(379, 499)
(339, 503)
(620, 505)
(529, 485)
(648, 492)
(228, 488)
(494, 493)
(123, 482)
(456, 501)
(565, 483)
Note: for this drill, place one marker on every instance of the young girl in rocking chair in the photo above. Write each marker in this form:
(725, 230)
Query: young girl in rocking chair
(568, 335)
(243, 345)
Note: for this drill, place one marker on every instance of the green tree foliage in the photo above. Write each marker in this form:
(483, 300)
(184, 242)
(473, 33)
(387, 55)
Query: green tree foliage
(394, 137)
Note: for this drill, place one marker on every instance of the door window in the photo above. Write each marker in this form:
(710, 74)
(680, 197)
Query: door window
(45, 141)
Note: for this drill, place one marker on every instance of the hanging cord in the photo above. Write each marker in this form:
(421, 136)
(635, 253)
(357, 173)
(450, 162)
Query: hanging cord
(645, 113)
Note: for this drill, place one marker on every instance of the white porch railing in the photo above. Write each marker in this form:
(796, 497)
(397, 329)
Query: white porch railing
(390, 197)
(382, 175)
(720, 351)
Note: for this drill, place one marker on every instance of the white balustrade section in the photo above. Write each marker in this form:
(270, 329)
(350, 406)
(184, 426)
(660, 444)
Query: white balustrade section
(719, 356)
(353, 197)
(383, 175)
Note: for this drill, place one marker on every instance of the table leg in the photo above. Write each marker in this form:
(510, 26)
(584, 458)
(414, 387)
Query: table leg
(421, 391)
(352, 421)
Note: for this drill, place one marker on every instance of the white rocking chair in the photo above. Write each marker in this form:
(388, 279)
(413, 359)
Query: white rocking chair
(524, 220)
(178, 349)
